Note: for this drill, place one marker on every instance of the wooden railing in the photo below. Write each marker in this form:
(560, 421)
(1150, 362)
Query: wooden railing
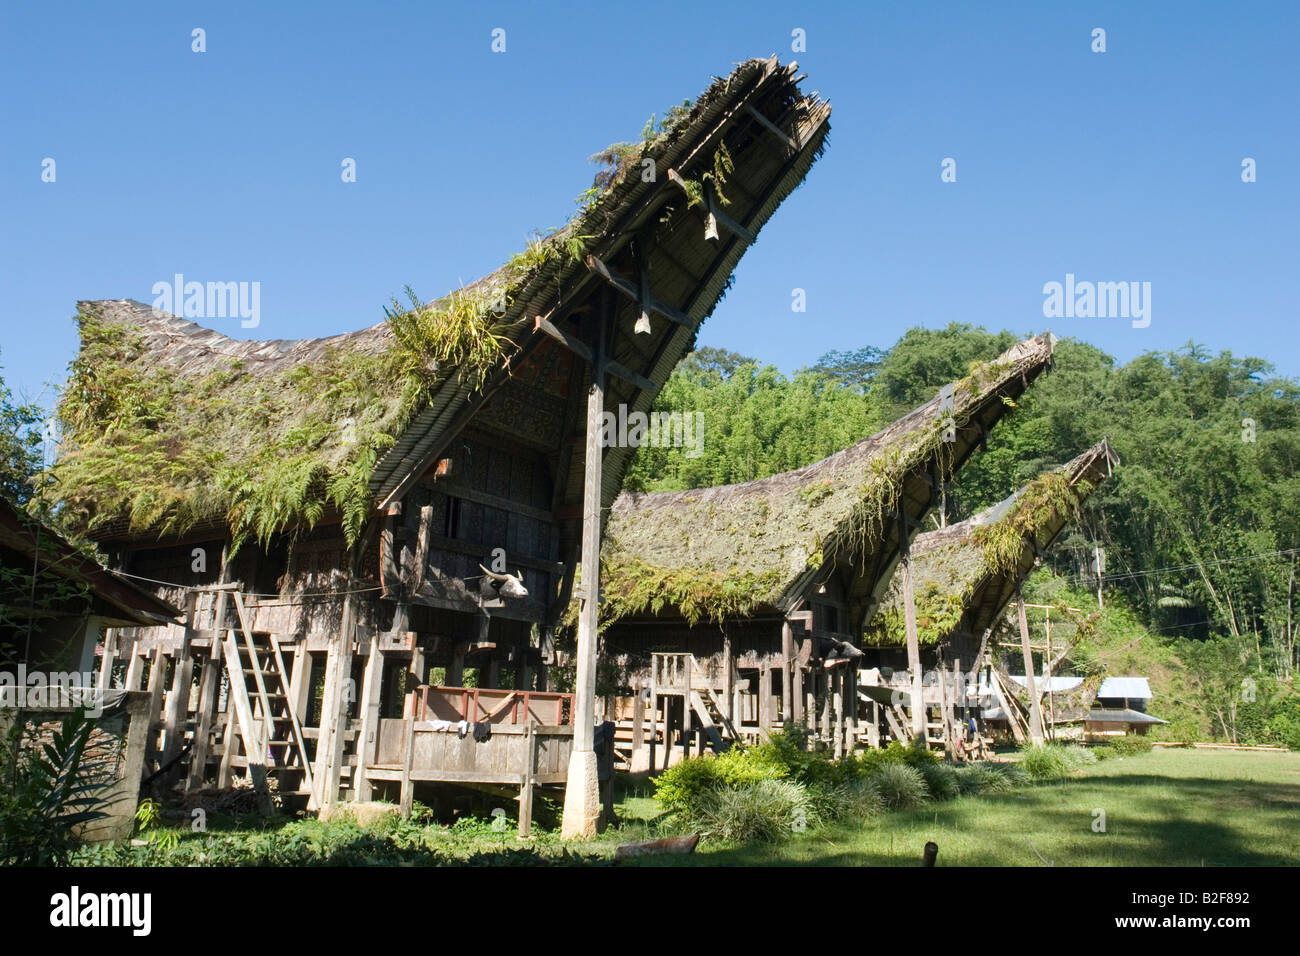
(494, 705)
(672, 672)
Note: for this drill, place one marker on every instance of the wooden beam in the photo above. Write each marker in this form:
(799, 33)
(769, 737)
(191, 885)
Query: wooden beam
(582, 350)
(772, 127)
(629, 289)
(725, 221)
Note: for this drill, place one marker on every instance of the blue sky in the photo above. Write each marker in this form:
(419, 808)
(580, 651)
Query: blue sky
(225, 165)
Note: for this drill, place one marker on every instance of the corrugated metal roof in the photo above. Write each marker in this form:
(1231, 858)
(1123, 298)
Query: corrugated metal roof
(1134, 688)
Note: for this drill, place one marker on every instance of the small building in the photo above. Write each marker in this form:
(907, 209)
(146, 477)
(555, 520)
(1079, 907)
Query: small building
(1120, 705)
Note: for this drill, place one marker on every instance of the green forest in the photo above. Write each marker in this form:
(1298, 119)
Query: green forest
(1198, 530)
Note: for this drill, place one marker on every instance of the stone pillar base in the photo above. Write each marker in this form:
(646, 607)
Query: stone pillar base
(581, 797)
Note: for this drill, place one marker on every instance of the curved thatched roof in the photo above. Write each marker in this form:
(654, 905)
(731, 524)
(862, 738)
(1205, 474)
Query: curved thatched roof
(171, 426)
(964, 575)
(734, 548)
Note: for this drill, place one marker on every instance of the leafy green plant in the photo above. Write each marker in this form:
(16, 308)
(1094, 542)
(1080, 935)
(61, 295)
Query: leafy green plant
(940, 779)
(147, 816)
(900, 787)
(764, 810)
(1054, 761)
(48, 790)
(684, 784)
(988, 778)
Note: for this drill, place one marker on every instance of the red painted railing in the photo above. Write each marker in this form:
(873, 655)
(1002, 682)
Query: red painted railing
(494, 705)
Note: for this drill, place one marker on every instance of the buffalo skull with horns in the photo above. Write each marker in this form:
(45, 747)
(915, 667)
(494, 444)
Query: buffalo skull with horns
(494, 585)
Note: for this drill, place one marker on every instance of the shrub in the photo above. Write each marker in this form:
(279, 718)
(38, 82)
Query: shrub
(765, 810)
(683, 784)
(900, 787)
(856, 800)
(1054, 761)
(940, 779)
(986, 777)
(1130, 746)
(912, 755)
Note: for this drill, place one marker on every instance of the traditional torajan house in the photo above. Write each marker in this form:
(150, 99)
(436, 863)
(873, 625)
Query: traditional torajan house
(964, 577)
(737, 608)
(351, 521)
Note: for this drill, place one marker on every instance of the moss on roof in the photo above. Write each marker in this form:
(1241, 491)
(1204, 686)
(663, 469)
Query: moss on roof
(731, 549)
(950, 564)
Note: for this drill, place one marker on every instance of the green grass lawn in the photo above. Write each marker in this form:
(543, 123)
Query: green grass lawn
(1165, 808)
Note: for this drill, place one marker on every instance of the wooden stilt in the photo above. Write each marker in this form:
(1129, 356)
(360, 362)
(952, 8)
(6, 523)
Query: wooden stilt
(787, 672)
(909, 623)
(1035, 705)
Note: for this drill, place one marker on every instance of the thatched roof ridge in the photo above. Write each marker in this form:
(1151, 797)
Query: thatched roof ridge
(196, 454)
(958, 580)
(188, 348)
(773, 531)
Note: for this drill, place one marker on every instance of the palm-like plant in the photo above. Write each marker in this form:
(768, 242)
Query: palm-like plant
(49, 791)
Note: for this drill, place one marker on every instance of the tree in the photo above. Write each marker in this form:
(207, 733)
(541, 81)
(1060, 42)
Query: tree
(20, 446)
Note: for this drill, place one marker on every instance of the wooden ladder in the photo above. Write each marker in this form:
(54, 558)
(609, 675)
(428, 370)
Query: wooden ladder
(713, 716)
(268, 724)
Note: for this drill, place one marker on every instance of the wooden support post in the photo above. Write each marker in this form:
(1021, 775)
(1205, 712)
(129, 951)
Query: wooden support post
(526, 784)
(729, 678)
(945, 701)
(178, 695)
(873, 728)
(414, 678)
(851, 709)
(638, 714)
(909, 623)
(1035, 705)
(368, 736)
(582, 787)
(157, 681)
(787, 672)
(837, 694)
(547, 654)
(408, 757)
(209, 674)
(823, 682)
(654, 726)
(334, 713)
(134, 666)
(106, 662)
(686, 721)
(810, 697)
(765, 697)
(456, 669)
(1047, 676)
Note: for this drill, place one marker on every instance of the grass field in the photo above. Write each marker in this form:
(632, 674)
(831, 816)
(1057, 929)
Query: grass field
(1164, 808)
